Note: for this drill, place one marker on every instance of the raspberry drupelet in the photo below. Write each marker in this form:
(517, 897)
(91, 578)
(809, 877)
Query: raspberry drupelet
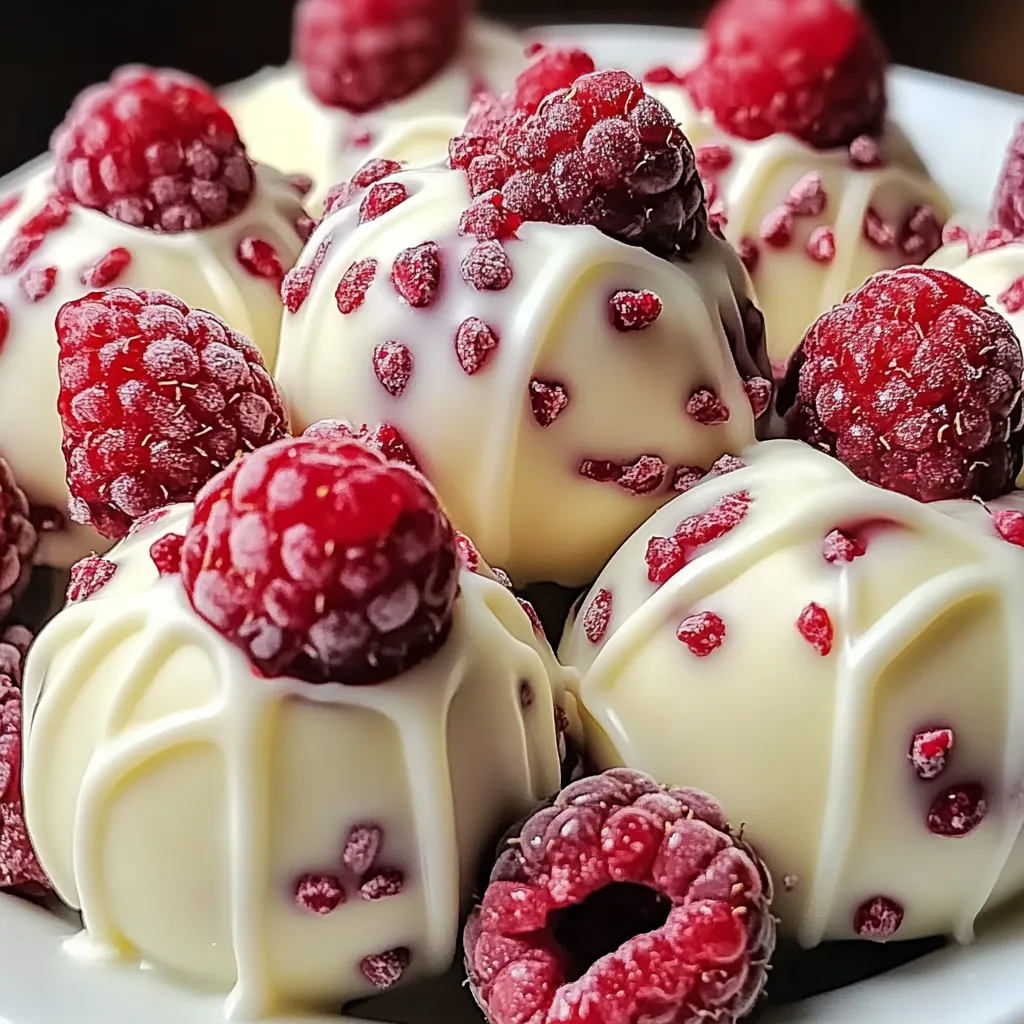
(915, 384)
(626, 901)
(18, 540)
(323, 561)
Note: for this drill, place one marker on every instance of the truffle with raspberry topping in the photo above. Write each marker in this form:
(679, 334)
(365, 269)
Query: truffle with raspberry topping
(548, 378)
(333, 830)
(55, 249)
(915, 383)
(626, 896)
(809, 634)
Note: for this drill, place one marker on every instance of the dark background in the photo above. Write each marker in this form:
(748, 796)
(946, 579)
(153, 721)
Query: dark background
(48, 52)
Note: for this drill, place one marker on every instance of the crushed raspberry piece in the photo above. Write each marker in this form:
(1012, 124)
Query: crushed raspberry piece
(36, 283)
(392, 363)
(261, 259)
(549, 70)
(488, 219)
(759, 394)
(686, 477)
(538, 628)
(707, 408)
(416, 274)
(381, 199)
(148, 520)
(88, 576)
(502, 577)
(1008, 206)
(634, 311)
(548, 400)
(662, 75)
(351, 291)
(865, 153)
(920, 234)
(958, 811)
(842, 547)
(815, 70)
(475, 343)
(295, 288)
(877, 231)
(776, 229)
(644, 475)
(702, 632)
(1009, 524)
(323, 561)
(18, 540)
(713, 158)
(665, 556)
(8, 204)
(107, 269)
(815, 627)
(487, 267)
(749, 253)
(360, 56)
(933, 408)
(469, 556)
(304, 226)
(807, 198)
(155, 399)
(1012, 299)
(821, 245)
(878, 918)
(373, 171)
(382, 885)
(362, 847)
(340, 197)
(383, 438)
(319, 894)
(154, 149)
(597, 616)
(640, 893)
(302, 183)
(166, 553)
(385, 970)
(930, 751)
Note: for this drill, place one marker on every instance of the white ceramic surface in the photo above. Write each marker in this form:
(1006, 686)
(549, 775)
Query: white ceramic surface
(961, 130)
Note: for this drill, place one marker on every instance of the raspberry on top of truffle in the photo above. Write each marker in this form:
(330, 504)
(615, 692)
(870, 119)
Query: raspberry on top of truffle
(594, 149)
(814, 69)
(323, 561)
(154, 149)
(913, 382)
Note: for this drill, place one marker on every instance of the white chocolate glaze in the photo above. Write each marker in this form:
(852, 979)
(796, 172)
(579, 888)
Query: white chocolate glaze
(810, 752)
(175, 797)
(792, 289)
(510, 484)
(284, 125)
(200, 267)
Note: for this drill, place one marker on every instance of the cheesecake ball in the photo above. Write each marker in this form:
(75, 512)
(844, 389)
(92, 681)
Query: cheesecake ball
(296, 840)
(841, 664)
(554, 384)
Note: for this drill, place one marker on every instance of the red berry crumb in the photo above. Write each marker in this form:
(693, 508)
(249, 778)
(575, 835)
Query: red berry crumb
(1009, 524)
(5, 324)
(323, 561)
(707, 408)
(759, 394)
(261, 259)
(469, 556)
(362, 847)
(382, 199)
(702, 632)
(865, 153)
(877, 230)
(154, 149)
(933, 409)
(107, 269)
(18, 540)
(644, 475)
(808, 198)
(548, 400)
(88, 576)
(385, 970)
(1008, 208)
(776, 229)
(813, 69)
(155, 399)
(373, 171)
(392, 364)
(8, 203)
(383, 438)
(821, 245)
(930, 751)
(382, 885)
(597, 616)
(475, 343)
(624, 901)
(166, 553)
(416, 274)
(319, 894)
(958, 811)
(351, 291)
(839, 546)
(37, 282)
(815, 627)
(634, 310)
(878, 918)
(487, 267)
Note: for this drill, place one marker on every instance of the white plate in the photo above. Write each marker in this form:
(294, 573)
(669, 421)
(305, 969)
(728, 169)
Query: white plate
(961, 130)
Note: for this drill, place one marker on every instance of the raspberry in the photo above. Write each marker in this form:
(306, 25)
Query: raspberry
(548, 71)
(814, 69)
(638, 892)
(361, 848)
(634, 311)
(865, 153)
(702, 632)
(89, 576)
(930, 751)
(297, 283)
(487, 268)
(323, 561)
(1008, 207)
(475, 343)
(597, 616)
(548, 400)
(319, 894)
(383, 885)
(383, 438)
(707, 408)
(488, 219)
(18, 540)
(107, 269)
(878, 918)
(392, 364)
(598, 150)
(166, 553)
(373, 171)
(416, 274)
(821, 245)
(37, 282)
(261, 259)
(815, 626)
(362, 54)
(643, 475)
(839, 546)
(155, 399)
(154, 149)
(384, 970)
(381, 199)
(914, 383)
(958, 811)
(759, 394)
(355, 282)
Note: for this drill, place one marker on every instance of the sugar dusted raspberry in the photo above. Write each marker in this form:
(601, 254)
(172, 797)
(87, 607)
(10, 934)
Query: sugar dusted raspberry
(260, 259)
(416, 274)
(351, 291)
(759, 393)
(702, 632)
(650, 873)
(392, 364)
(548, 400)
(381, 199)
(749, 253)
(322, 560)
(302, 183)
(1008, 206)
(865, 153)
(878, 918)
(538, 628)
(360, 55)
(686, 477)
(362, 847)
(813, 68)
(8, 203)
(930, 751)
(644, 475)
(549, 70)
(488, 218)
(319, 894)
(107, 269)
(373, 171)
(933, 408)
(879, 232)
(597, 616)
(634, 310)
(821, 244)
(487, 267)
(920, 235)
(713, 158)
(815, 626)
(840, 546)
(475, 343)
(37, 282)
(469, 556)
(705, 406)
(88, 576)
(1012, 299)
(807, 198)
(18, 540)
(382, 885)
(340, 197)
(776, 230)
(166, 553)
(383, 438)
(1009, 524)
(155, 399)
(385, 970)
(958, 811)
(148, 520)
(154, 149)
(297, 283)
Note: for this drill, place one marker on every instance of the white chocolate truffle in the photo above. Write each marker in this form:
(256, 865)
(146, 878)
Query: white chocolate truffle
(284, 125)
(833, 706)
(206, 269)
(810, 224)
(549, 434)
(178, 798)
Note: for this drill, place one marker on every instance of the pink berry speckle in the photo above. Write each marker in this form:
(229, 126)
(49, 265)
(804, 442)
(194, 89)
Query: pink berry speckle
(166, 553)
(392, 363)
(865, 153)
(382, 885)
(88, 576)
(1009, 524)
(37, 282)
(807, 198)
(821, 245)
(486, 267)
(842, 547)
(776, 229)
(351, 291)
(260, 259)
(416, 274)
(548, 400)
(382, 198)
(103, 272)
(759, 393)
(815, 626)
(930, 751)
(703, 633)
(1012, 299)
(475, 343)
(597, 616)
(877, 231)
(384, 970)
(958, 811)
(644, 475)
(878, 918)
(362, 847)
(319, 894)
(707, 408)
(634, 310)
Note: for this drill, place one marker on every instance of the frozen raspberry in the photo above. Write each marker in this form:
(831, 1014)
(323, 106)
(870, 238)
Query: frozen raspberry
(878, 918)
(322, 560)
(107, 269)
(166, 553)
(1013, 297)
(155, 399)
(644, 475)
(18, 540)
(392, 365)
(821, 245)
(702, 632)
(154, 149)
(707, 408)
(759, 393)
(634, 311)
(624, 901)
(958, 811)
(597, 616)
(382, 885)
(840, 546)
(549, 70)
(361, 848)
(488, 219)
(914, 383)
(381, 199)
(261, 259)
(487, 267)
(815, 626)
(810, 68)
(373, 171)
(89, 576)
(475, 343)
(383, 438)
(361, 54)
(355, 282)
(384, 970)
(319, 894)
(930, 751)
(1009, 524)
(548, 400)
(416, 274)
(1008, 208)
(599, 151)
(37, 282)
